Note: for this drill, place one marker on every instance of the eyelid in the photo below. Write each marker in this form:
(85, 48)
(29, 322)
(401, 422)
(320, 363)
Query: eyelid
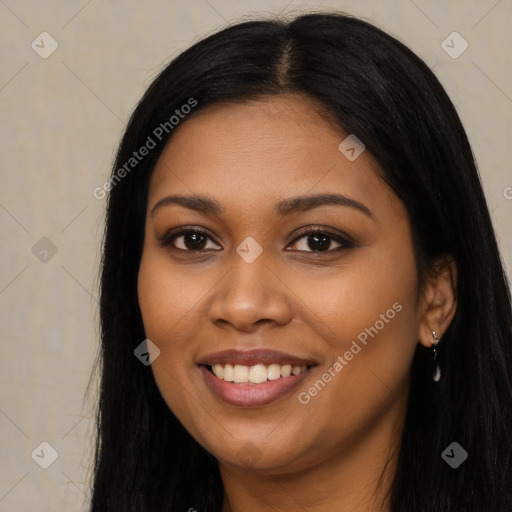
(338, 236)
(345, 241)
(169, 236)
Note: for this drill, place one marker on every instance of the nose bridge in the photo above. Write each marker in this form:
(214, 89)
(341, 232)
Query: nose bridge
(249, 277)
(250, 293)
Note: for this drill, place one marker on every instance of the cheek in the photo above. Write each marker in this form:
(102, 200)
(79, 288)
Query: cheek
(370, 298)
(372, 291)
(167, 302)
(370, 309)
(165, 297)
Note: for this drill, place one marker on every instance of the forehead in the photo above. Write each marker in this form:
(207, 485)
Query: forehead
(258, 151)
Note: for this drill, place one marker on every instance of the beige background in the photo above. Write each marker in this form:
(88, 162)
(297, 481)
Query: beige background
(61, 119)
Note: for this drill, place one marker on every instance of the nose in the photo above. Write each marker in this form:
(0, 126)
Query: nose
(250, 295)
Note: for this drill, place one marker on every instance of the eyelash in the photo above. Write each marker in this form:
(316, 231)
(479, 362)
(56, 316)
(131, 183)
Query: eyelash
(346, 243)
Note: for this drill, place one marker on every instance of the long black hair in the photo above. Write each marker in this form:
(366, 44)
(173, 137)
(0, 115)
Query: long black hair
(378, 89)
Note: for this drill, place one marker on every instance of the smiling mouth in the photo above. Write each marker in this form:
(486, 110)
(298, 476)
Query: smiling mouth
(255, 374)
(242, 392)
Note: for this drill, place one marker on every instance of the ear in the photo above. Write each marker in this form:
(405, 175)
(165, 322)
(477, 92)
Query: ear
(439, 300)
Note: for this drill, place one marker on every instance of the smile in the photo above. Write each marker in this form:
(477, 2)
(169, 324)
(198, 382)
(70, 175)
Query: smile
(256, 374)
(251, 394)
(253, 378)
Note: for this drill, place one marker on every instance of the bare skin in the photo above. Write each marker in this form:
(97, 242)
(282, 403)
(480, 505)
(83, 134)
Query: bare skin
(322, 453)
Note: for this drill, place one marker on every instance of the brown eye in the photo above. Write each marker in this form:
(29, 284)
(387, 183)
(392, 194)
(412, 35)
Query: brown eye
(321, 241)
(187, 240)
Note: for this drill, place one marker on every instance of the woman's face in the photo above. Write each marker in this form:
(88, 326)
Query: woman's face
(254, 295)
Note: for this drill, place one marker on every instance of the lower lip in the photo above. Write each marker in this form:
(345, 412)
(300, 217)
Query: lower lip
(253, 395)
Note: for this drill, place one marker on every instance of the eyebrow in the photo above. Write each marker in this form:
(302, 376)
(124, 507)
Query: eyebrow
(288, 206)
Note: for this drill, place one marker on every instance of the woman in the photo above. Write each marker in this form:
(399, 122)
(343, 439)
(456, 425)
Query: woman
(303, 305)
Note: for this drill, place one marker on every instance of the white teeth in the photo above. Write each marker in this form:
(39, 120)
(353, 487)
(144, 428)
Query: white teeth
(228, 373)
(255, 374)
(296, 370)
(241, 373)
(286, 370)
(258, 374)
(218, 370)
(274, 372)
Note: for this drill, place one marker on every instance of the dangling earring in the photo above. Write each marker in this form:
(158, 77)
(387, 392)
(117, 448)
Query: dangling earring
(436, 372)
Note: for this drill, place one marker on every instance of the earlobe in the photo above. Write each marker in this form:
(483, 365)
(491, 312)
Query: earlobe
(439, 300)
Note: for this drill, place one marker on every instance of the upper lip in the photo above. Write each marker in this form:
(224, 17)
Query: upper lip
(253, 357)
